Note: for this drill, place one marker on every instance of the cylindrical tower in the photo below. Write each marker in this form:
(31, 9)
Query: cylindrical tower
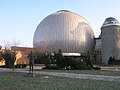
(110, 37)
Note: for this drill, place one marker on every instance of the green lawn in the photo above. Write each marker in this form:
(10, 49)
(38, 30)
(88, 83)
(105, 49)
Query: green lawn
(95, 72)
(21, 81)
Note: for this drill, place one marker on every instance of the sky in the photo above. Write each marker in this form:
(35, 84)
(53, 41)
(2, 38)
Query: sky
(20, 18)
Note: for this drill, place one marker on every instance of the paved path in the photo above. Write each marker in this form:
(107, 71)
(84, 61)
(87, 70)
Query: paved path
(70, 75)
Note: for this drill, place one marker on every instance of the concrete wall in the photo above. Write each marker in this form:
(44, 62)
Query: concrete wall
(110, 37)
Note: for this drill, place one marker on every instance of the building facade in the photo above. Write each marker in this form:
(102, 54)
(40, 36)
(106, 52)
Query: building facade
(98, 51)
(72, 33)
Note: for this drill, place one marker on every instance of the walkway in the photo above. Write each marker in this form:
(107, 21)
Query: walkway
(69, 75)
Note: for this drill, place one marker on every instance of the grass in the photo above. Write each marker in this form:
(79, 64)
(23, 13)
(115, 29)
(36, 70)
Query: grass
(20, 81)
(95, 72)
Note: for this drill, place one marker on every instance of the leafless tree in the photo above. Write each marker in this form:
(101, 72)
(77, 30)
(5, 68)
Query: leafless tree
(7, 45)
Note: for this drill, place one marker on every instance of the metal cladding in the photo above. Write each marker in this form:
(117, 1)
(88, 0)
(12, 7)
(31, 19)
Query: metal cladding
(110, 37)
(64, 30)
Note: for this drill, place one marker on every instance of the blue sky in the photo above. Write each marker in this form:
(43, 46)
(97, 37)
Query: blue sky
(20, 18)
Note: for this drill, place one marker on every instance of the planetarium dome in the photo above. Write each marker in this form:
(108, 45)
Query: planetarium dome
(64, 30)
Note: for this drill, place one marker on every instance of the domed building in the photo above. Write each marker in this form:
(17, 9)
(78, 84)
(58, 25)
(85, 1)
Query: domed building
(64, 30)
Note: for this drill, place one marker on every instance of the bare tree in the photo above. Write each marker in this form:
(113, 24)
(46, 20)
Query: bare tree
(16, 43)
(7, 45)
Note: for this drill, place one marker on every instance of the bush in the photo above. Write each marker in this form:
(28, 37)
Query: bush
(9, 57)
(113, 61)
(63, 62)
(21, 66)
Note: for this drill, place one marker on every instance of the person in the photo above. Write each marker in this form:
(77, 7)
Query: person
(31, 57)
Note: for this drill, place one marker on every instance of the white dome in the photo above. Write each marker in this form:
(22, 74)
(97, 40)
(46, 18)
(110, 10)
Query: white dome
(64, 30)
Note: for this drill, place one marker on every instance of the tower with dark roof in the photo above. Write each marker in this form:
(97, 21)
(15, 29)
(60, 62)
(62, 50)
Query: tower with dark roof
(110, 37)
